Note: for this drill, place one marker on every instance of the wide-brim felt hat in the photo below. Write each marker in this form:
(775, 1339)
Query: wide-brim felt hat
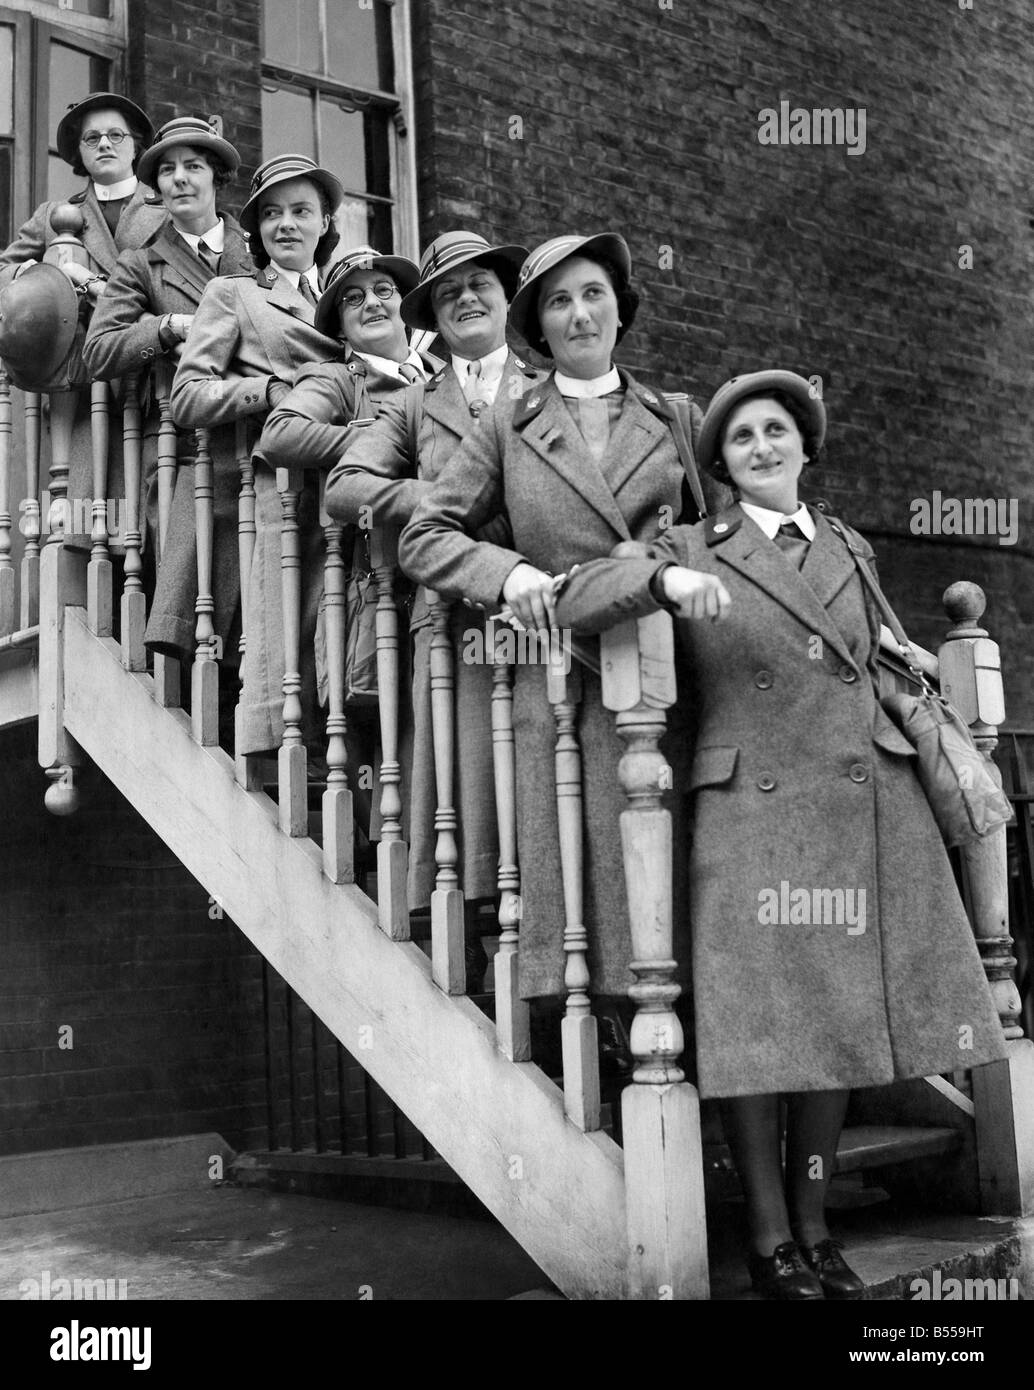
(708, 449)
(71, 122)
(279, 170)
(39, 313)
(403, 271)
(185, 130)
(545, 257)
(453, 249)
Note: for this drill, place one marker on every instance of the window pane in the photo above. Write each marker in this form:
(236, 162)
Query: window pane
(100, 9)
(61, 182)
(343, 151)
(6, 192)
(362, 224)
(6, 80)
(356, 48)
(73, 75)
(287, 123)
(292, 33)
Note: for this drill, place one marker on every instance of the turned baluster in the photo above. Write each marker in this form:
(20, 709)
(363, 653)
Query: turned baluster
(969, 665)
(338, 810)
(7, 600)
(204, 676)
(134, 603)
(392, 850)
(448, 965)
(245, 769)
(30, 524)
(660, 1112)
(166, 668)
(98, 574)
(578, 1029)
(512, 1018)
(292, 761)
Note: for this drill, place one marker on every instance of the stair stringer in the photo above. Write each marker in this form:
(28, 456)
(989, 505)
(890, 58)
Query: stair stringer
(499, 1124)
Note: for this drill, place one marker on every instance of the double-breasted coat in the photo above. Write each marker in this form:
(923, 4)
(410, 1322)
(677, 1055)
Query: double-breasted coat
(250, 336)
(162, 277)
(309, 429)
(380, 480)
(141, 217)
(830, 947)
(531, 464)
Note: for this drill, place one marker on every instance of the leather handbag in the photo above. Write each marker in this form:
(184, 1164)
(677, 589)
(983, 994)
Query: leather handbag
(966, 801)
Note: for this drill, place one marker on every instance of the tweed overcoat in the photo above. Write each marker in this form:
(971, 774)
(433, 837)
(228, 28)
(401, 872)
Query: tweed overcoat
(531, 464)
(309, 429)
(164, 277)
(250, 336)
(801, 782)
(378, 474)
(141, 217)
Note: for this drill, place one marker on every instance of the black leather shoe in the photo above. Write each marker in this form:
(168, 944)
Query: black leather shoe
(836, 1276)
(783, 1274)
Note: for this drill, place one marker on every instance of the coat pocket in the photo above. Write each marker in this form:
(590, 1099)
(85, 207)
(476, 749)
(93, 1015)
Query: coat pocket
(712, 767)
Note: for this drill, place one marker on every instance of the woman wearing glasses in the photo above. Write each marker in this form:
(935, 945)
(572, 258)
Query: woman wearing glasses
(311, 428)
(102, 138)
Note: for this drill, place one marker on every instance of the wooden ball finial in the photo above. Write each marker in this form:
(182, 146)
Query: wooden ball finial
(67, 220)
(964, 602)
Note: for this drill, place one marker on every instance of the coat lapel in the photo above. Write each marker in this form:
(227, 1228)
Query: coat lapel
(637, 433)
(184, 268)
(284, 296)
(236, 257)
(736, 540)
(446, 404)
(547, 427)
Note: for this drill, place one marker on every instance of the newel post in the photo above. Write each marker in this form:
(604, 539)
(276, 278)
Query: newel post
(660, 1111)
(1003, 1092)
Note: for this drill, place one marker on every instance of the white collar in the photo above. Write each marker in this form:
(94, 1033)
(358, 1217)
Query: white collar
(112, 192)
(214, 238)
(293, 276)
(598, 386)
(492, 364)
(390, 367)
(770, 521)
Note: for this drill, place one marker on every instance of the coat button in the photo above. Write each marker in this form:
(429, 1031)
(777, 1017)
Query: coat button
(763, 680)
(858, 772)
(766, 782)
(848, 674)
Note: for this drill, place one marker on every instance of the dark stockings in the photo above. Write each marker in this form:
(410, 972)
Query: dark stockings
(779, 1211)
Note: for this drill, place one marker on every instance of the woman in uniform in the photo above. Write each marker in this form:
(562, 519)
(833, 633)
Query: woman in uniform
(584, 461)
(830, 947)
(149, 302)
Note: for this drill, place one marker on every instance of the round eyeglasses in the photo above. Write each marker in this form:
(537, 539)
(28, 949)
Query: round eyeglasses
(355, 299)
(114, 137)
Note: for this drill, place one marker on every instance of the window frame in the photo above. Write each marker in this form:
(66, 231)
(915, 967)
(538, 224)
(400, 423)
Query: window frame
(396, 106)
(44, 34)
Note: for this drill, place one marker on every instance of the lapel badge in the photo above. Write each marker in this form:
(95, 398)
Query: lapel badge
(534, 402)
(649, 396)
(721, 527)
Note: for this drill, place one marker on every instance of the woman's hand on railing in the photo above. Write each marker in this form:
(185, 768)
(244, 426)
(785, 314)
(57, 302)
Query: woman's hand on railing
(693, 594)
(528, 593)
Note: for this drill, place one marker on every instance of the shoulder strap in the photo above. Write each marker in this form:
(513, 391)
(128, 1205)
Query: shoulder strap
(681, 425)
(880, 599)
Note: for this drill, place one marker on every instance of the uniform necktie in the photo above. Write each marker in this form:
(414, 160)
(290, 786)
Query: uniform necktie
(209, 257)
(409, 372)
(594, 423)
(474, 388)
(305, 290)
(792, 541)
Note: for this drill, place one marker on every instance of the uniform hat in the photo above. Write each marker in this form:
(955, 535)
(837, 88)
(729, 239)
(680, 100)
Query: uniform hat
(71, 122)
(708, 447)
(279, 170)
(185, 130)
(39, 313)
(445, 253)
(404, 272)
(524, 309)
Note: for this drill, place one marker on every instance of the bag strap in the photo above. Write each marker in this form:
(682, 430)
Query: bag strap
(681, 425)
(414, 402)
(889, 616)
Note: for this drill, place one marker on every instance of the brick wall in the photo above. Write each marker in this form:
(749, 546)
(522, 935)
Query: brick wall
(104, 932)
(645, 119)
(201, 59)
